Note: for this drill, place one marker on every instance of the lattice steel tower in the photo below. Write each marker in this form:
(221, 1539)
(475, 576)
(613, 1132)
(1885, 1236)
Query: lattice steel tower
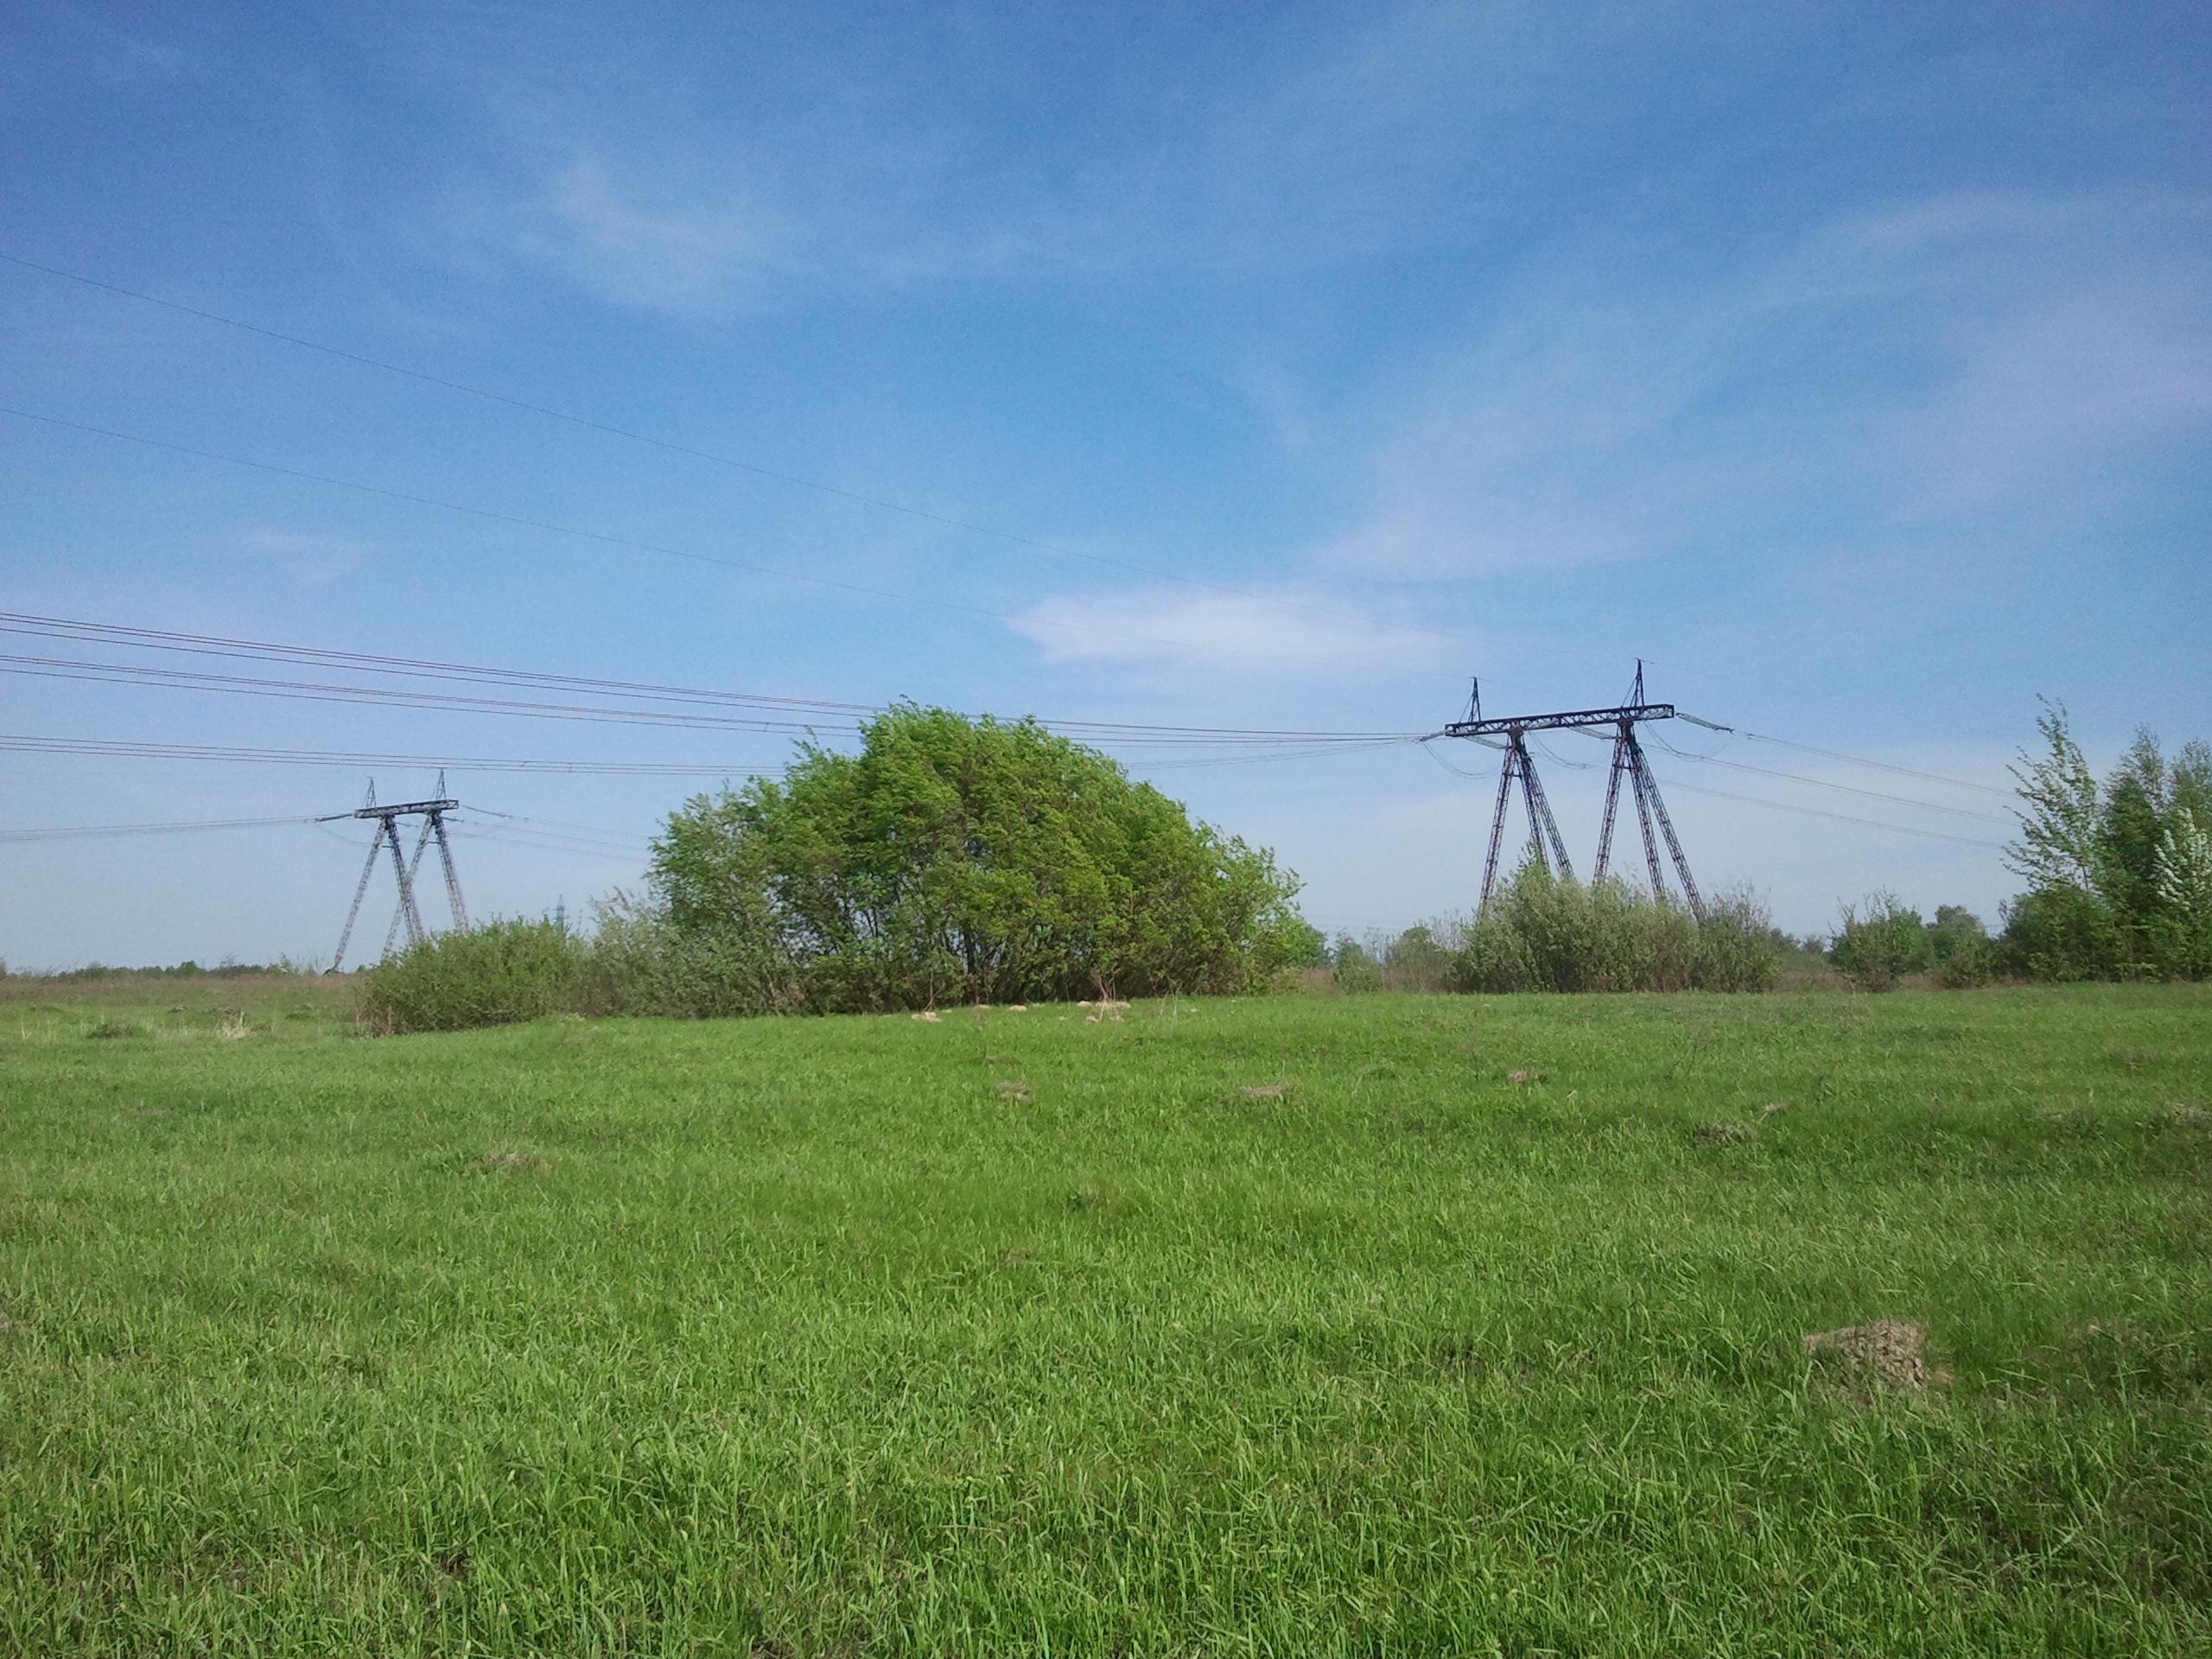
(408, 913)
(1544, 841)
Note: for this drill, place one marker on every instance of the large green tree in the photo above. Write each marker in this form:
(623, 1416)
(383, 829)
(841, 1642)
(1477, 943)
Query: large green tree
(952, 859)
(2119, 882)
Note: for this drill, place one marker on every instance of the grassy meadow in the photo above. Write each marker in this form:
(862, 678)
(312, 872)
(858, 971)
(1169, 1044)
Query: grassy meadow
(1294, 1325)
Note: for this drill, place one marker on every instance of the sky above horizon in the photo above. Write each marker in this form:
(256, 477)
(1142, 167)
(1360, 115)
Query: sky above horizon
(1276, 368)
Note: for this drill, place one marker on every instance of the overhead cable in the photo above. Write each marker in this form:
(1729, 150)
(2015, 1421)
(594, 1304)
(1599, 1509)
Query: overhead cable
(672, 447)
(1838, 817)
(1114, 733)
(85, 831)
(1823, 783)
(652, 547)
(1853, 760)
(349, 759)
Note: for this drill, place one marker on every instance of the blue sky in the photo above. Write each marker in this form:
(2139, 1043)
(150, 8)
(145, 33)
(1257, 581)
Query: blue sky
(1851, 365)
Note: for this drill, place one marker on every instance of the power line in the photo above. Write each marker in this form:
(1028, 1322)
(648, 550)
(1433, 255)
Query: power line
(72, 629)
(1853, 760)
(122, 674)
(84, 831)
(1838, 817)
(650, 547)
(350, 760)
(672, 447)
(1116, 733)
(1823, 783)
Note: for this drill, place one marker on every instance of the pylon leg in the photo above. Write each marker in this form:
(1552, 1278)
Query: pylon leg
(407, 895)
(1675, 847)
(445, 854)
(1637, 781)
(1498, 825)
(1540, 821)
(408, 913)
(360, 891)
(1613, 803)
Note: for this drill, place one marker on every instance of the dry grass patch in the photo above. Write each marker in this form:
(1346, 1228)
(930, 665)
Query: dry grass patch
(1892, 1352)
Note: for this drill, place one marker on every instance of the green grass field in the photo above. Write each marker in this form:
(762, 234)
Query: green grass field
(1284, 1326)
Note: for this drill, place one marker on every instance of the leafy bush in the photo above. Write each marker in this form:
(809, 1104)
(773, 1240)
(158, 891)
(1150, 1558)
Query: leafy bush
(953, 860)
(1354, 966)
(1548, 933)
(496, 974)
(2119, 877)
(1963, 953)
(1418, 960)
(1881, 942)
(1738, 948)
(642, 963)
(2060, 933)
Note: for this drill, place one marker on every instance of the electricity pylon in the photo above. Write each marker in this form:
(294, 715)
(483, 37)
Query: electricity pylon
(1545, 844)
(408, 913)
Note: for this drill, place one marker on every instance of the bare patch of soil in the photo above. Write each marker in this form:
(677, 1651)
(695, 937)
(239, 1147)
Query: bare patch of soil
(1890, 1351)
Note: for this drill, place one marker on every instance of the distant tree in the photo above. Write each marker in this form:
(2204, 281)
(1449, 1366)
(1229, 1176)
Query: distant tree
(1881, 941)
(2057, 844)
(952, 859)
(2184, 887)
(1545, 932)
(1353, 967)
(2114, 888)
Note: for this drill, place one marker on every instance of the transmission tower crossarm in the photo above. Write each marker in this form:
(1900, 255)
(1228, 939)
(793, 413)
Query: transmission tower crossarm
(403, 809)
(1508, 725)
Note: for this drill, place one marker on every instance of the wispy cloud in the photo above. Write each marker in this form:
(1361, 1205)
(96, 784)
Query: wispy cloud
(1948, 359)
(1312, 146)
(1296, 628)
(310, 560)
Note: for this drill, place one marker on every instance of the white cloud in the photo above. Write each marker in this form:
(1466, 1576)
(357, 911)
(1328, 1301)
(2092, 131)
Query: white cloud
(311, 561)
(1291, 629)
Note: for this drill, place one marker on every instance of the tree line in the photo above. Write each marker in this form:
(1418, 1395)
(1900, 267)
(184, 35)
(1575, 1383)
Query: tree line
(950, 859)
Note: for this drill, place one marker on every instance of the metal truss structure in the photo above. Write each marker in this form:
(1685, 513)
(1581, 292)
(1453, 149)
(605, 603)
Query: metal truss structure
(409, 914)
(1545, 844)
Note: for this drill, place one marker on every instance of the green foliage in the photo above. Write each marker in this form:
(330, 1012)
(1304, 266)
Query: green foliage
(807, 1337)
(1354, 966)
(1884, 940)
(954, 860)
(2058, 934)
(1881, 942)
(2119, 882)
(1417, 960)
(1543, 933)
(182, 970)
(2185, 887)
(1962, 953)
(642, 962)
(495, 974)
